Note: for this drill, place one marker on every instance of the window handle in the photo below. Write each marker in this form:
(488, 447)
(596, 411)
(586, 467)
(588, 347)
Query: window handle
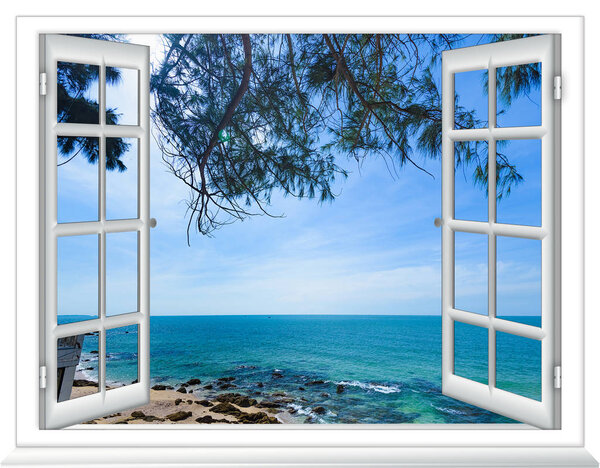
(153, 222)
(437, 222)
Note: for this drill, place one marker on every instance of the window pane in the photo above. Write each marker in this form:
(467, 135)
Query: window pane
(470, 94)
(471, 272)
(121, 356)
(77, 179)
(121, 96)
(519, 280)
(77, 278)
(121, 178)
(77, 93)
(121, 273)
(470, 186)
(471, 352)
(519, 365)
(519, 188)
(77, 366)
(522, 81)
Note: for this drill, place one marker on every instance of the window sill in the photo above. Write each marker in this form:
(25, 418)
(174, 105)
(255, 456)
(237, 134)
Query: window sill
(301, 457)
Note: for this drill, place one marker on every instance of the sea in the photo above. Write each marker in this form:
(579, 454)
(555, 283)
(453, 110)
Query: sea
(361, 369)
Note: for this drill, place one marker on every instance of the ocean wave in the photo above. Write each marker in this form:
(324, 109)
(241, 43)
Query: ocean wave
(448, 410)
(300, 410)
(380, 388)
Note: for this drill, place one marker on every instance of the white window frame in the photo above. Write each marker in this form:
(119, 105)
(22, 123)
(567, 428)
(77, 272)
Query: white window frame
(394, 438)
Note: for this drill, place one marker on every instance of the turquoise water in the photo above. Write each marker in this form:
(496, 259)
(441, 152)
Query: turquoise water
(390, 366)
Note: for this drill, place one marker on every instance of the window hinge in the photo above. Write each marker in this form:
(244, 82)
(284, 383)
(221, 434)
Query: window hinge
(557, 87)
(42, 376)
(557, 377)
(42, 84)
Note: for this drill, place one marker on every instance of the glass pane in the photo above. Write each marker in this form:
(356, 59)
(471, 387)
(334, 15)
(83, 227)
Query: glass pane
(519, 280)
(121, 178)
(471, 272)
(77, 366)
(519, 95)
(519, 365)
(77, 179)
(471, 352)
(77, 93)
(77, 278)
(121, 273)
(470, 183)
(121, 356)
(519, 187)
(121, 96)
(471, 99)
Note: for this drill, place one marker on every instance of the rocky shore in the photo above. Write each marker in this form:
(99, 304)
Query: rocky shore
(192, 403)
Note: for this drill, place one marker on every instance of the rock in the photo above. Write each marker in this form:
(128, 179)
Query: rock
(319, 410)
(162, 387)
(268, 404)
(89, 368)
(179, 415)
(260, 385)
(189, 402)
(316, 382)
(208, 387)
(134, 381)
(236, 398)
(121, 422)
(340, 388)
(194, 382)
(325, 395)
(206, 403)
(95, 351)
(226, 379)
(84, 383)
(227, 408)
(277, 375)
(181, 390)
(301, 388)
(279, 394)
(151, 418)
(206, 420)
(292, 411)
(226, 386)
(138, 414)
(184, 385)
(179, 400)
(257, 418)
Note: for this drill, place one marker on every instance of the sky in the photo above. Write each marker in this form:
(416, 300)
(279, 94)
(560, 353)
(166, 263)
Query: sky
(374, 250)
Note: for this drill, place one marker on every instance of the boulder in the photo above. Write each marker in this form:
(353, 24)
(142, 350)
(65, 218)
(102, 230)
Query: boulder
(206, 403)
(325, 395)
(316, 382)
(179, 400)
(268, 404)
(257, 418)
(179, 415)
(208, 387)
(319, 410)
(237, 399)
(226, 379)
(225, 386)
(277, 375)
(340, 388)
(301, 389)
(194, 382)
(162, 387)
(181, 390)
(226, 408)
(84, 383)
(95, 351)
(152, 418)
(260, 385)
(138, 414)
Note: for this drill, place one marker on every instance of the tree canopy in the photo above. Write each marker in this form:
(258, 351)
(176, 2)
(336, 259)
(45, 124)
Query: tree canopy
(240, 116)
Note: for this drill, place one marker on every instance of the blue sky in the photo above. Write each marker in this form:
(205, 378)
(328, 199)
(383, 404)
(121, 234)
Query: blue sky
(374, 250)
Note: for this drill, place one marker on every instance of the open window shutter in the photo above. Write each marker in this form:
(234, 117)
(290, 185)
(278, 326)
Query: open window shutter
(62, 342)
(543, 49)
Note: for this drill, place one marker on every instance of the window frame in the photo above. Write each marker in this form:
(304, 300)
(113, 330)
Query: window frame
(28, 272)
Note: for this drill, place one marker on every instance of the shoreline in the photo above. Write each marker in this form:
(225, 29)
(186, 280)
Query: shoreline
(169, 406)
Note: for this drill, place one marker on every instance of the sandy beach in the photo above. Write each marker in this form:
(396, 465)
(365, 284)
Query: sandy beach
(168, 406)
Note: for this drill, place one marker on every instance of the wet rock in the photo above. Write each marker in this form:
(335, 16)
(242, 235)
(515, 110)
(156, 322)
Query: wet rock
(340, 388)
(301, 388)
(179, 415)
(292, 411)
(162, 387)
(316, 382)
(206, 403)
(89, 368)
(194, 382)
(134, 381)
(227, 408)
(138, 414)
(95, 351)
(260, 385)
(268, 404)
(277, 375)
(279, 394)
(325, 395)
(257, 418)
(179, 400)
(184, 385)
(226, 386)
(226, 379)
(237, 399)
(319, 410)
(181, 390)
(84, 383)
(208, 387)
